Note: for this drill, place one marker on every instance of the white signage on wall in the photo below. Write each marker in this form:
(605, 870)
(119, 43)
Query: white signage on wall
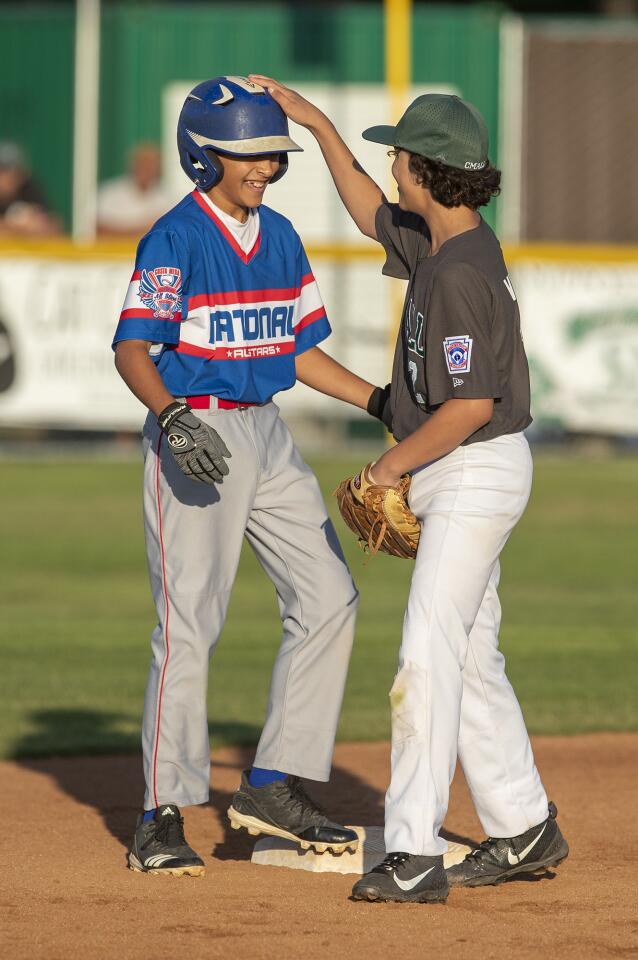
(580, 323)
(57, 318)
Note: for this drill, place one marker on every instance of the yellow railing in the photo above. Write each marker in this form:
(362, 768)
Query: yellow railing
(63, 248)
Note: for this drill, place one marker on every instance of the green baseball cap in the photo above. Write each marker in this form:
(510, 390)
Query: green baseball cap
(441, 127)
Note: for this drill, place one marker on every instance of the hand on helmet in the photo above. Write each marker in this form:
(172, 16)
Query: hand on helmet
(295, 106)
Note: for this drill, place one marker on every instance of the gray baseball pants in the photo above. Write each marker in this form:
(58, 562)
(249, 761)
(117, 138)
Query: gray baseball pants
(194, 535)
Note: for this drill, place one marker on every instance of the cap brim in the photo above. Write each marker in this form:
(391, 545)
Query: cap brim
(382, 134)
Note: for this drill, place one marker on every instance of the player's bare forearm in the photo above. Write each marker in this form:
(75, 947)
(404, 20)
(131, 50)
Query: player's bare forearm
(318, 370)
(140, 375)
(361, 196)
(452, 423)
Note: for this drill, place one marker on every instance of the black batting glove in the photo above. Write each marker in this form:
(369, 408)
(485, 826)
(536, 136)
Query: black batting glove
(379, 405)
(198, 450)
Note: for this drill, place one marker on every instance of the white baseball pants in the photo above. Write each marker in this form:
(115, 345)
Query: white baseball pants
(451, 696)
(194, 534)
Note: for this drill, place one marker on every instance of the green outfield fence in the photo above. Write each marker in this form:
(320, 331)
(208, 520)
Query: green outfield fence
(145, 46)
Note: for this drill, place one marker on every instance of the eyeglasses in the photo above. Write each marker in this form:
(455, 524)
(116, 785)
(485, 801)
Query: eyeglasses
(395, 151)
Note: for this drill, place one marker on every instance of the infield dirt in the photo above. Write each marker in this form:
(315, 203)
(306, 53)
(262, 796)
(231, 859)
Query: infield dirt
(65, 890)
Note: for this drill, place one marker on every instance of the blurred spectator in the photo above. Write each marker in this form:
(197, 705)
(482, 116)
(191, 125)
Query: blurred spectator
(128, 205)
(23, 209)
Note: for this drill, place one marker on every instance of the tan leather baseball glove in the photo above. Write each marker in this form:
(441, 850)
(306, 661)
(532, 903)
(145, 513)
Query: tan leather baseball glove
(378, 515)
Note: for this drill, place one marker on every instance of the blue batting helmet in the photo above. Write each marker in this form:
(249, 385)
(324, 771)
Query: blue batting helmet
(232, 116)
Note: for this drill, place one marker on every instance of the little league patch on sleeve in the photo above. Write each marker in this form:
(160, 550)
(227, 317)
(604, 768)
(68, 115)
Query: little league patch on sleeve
(458, 353)
(161, 291)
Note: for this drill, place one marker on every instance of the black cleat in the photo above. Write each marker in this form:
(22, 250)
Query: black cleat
(496, 860)
(284, 809)
(404, 877)
(160, 847)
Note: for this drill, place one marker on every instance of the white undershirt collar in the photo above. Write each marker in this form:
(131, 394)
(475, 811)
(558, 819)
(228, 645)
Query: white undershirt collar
(244, 233)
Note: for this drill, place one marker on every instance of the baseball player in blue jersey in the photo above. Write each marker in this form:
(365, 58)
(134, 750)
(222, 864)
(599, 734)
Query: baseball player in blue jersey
(459, 402)
(222, 312)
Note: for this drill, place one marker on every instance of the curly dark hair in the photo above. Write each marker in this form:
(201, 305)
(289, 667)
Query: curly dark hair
(452, 187)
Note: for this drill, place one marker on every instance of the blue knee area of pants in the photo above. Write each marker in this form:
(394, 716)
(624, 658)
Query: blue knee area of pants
(148, 815)
(261, 778)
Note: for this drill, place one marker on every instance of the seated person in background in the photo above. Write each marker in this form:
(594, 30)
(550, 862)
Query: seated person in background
(129, 205)
(24, 211)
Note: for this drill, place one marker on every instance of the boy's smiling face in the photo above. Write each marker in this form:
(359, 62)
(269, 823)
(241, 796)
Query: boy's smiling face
(244, 182)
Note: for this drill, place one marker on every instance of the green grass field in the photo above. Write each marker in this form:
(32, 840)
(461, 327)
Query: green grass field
(76, 610)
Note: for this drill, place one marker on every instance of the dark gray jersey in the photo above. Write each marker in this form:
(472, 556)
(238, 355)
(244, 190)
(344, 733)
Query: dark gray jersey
(460, 332)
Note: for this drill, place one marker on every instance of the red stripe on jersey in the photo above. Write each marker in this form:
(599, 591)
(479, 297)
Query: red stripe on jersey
(248, 296)
(137, 275)
(310, 318)
(242, 296)
(246, 257)
(139, 313)
(193, 351)
(237, 353)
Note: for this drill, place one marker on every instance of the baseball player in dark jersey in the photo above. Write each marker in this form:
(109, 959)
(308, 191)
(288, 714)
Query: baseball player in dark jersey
(459, 401)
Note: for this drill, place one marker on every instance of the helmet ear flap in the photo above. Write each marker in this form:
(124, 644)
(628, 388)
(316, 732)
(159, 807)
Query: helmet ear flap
(201, 166)
(216, 164)
(283, 166)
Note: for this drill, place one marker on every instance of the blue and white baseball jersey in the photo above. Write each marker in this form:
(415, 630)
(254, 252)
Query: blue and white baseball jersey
(230, 323)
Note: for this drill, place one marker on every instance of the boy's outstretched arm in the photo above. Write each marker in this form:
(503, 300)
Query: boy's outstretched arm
(361, 196)
(318, 370)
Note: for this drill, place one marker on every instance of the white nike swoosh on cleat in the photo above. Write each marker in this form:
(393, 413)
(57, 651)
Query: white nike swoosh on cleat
(411, 884)
(517, 859)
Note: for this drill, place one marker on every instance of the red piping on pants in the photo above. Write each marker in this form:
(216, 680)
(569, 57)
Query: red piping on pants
(166, 643)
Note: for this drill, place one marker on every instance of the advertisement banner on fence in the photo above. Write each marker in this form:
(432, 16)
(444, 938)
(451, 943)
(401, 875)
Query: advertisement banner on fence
(57, 317)
(580, 326)
(56, 367)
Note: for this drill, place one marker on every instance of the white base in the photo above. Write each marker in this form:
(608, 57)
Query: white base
(275, 852)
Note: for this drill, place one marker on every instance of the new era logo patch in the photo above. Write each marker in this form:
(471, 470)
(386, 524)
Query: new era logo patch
(458, 353)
